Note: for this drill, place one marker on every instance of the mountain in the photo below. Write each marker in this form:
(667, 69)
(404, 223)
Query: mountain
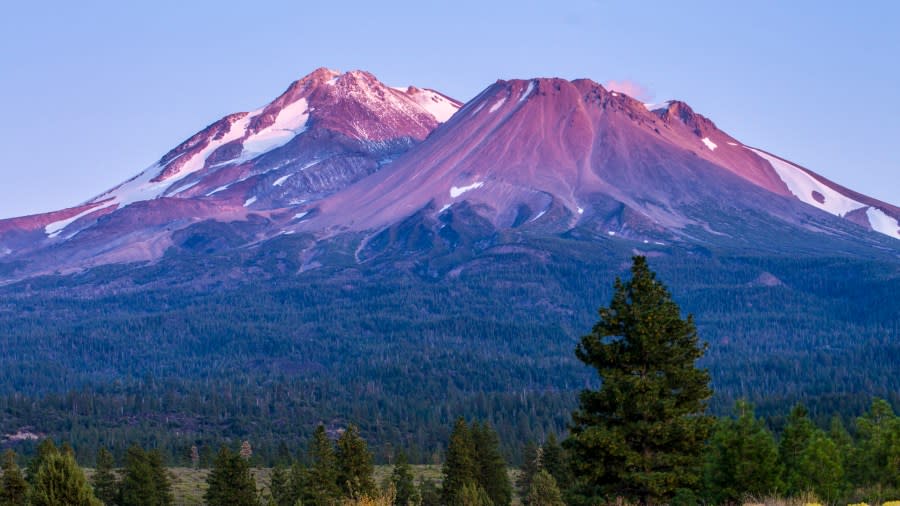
(343, 152)
(325, 131)
(549, 154)
(355, 252)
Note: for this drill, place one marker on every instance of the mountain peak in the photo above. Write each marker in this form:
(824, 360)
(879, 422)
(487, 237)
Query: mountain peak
(342, 151)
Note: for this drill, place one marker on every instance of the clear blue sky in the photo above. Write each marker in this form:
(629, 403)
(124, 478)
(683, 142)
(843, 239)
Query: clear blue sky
(93, 92)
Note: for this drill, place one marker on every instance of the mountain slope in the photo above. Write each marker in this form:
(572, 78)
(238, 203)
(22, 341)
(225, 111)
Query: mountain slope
(378, 255)
(324, 132)
(556, 153)
(340, 154)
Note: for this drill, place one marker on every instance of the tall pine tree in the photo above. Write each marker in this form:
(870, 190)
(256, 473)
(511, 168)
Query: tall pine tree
(406, 493)
(355, 468)
(142, 484)
(797, 434)
(821, 469)
(554, 460)
(490, 468)
(106, 487)
(280, 488)
(321, 487)
(742, 459)
(230, 482)
(531, 465)
(13, 487)
(45, 449)
(460, 467)
(161, 482)
(877, 457)
(641, 435)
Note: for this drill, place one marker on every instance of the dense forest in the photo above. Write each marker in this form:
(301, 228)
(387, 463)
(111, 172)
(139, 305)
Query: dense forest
(169, 357)
(642, 436)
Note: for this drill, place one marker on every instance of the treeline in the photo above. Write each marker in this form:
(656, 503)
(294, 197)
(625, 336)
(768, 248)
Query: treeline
(742, 459)
(53, 478)
(166, 367)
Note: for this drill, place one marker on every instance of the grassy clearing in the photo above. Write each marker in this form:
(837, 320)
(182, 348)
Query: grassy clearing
(189, 485)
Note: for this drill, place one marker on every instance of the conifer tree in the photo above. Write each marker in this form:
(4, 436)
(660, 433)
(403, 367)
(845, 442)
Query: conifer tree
(45, 449)
(355, 468)
(60, 482)
(472, 494)
(106, 487)
(797, 434)
(742, 459)
(838, 433)
(554, 460)
(138, 486)
(321, 478)
(246, 450)
(280, 487)
(230, 482)
(429, 492)
(820, 468)
(283, 455)
(490, 467)
(642, 433)
(402, 479)
(544, 491)
(531, 464)
(13, 487)
(161, 482)
(459, 466)
(878, 454)
(297, 479)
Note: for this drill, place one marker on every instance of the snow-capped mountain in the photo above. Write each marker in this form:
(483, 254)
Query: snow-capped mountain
(556, 153)
(343, 153)
(325, 131)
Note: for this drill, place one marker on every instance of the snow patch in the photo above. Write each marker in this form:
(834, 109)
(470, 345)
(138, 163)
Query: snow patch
(610, 233)
(802, 185)
(538, 215)
(497, 105)
(436, 105)
(290, 121)
(300, 215)
(183, 188)
(219, 189)
(580, 210)
(56, 228)
(280, 181)
(249, 202)
(457, 191)
(732, 143)
(445, 208)
(142, 187)
(527, 91)
(659, 106)
(710, 144)
(883, 223)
